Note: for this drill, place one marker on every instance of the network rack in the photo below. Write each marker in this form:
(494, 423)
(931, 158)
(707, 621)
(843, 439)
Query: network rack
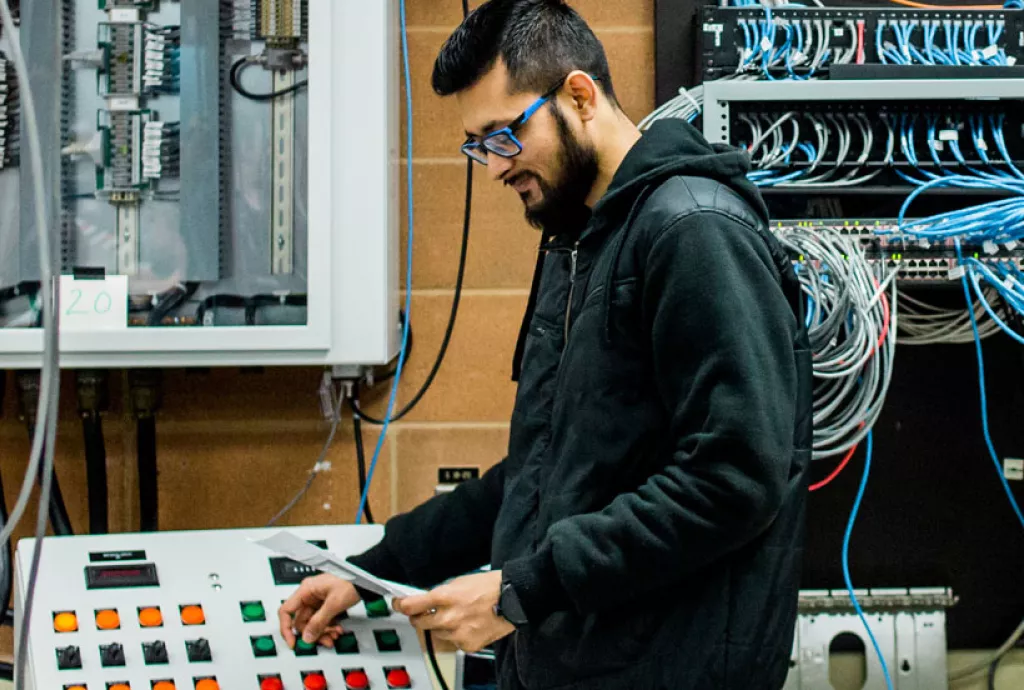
(848, 43)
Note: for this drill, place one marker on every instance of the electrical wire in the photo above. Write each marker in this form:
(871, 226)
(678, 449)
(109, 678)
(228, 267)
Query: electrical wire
(428, 640)
(970, 670)
(318, 467)
(357, 432)
(235, 79)
(408, 266)
(851, 323)
(43, 441)
(984, 397)
(846, 562)
(925, 6)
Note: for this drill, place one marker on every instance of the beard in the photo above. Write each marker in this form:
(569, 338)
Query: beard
(563, 208)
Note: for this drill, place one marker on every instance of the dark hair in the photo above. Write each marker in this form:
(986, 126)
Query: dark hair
(540, 42)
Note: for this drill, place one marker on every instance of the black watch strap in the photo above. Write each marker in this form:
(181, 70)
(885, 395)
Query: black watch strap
(509, 607)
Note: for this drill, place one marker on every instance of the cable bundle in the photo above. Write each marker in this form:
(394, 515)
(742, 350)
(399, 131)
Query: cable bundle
(851, 322)
(161, 150)
(9, 110)
(926, 324)
(1003, 277)
(776, 42)
(162, 59)
(962, 42)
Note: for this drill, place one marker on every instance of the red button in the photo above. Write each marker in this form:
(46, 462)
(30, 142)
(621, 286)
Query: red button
(357, 680)
(271, 684)
(315, 681)
(398, 678)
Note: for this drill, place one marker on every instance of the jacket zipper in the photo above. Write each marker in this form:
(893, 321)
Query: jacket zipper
(572, 286)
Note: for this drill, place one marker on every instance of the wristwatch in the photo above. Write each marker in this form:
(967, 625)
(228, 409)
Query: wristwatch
(509, 606)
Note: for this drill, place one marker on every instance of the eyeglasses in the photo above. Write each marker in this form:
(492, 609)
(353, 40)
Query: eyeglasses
(503, 142)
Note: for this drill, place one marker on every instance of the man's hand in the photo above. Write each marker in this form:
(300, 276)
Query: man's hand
(312, 608)
(461, 611)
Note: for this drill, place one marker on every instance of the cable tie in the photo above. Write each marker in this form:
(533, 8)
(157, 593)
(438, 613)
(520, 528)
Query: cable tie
(956, 273)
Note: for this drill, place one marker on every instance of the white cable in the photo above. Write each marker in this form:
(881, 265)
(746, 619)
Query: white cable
(44, 434)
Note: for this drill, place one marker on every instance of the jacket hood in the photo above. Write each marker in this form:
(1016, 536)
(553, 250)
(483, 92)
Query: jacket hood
(669, 148)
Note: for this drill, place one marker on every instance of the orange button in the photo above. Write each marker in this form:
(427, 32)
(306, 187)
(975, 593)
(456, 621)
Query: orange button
(163, 685)
(119, 686)
(75, 687)
(65, 622)
(207, 684)
(151, 618)
(192, 615)
(108, 620)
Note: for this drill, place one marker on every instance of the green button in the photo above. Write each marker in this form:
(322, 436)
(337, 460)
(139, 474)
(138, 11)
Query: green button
(264, 646)
(253, 611)
(303, 648)
(347, 644)
(389, 637)
(377, 608)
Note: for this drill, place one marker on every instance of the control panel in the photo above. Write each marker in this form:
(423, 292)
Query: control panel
(198, 611)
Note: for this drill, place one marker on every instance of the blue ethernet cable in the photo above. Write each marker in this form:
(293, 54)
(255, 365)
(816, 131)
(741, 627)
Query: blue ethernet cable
(846, 559)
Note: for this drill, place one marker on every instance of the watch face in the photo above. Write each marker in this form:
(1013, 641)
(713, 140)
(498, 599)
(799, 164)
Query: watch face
(511, 609)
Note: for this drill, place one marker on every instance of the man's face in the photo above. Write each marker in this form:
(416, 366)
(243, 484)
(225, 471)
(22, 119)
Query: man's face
(555, 170)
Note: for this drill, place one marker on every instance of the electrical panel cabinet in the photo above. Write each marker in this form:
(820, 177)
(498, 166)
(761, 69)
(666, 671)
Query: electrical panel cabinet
(233, 162)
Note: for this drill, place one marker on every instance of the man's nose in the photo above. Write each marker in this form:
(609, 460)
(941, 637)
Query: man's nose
(498, 165)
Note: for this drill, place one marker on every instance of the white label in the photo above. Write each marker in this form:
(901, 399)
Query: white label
(838, 32)
(1013, 469)
(938, 145)
(923, 242)
(956, 273)
(124, 15)
(93, 305)
(798, 58)
(1011, 245)
(123, 103)
(989, 247)
(990, 52)
(1011, 60)
(948, 135)
(980, 144)
(766, 44)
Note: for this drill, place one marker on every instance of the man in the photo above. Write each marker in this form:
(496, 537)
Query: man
(645, 529)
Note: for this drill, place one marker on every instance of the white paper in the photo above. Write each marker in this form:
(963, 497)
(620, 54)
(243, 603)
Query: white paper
(296, 548)
(93, 305)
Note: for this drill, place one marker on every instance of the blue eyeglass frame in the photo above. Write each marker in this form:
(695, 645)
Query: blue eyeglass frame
(509, 131)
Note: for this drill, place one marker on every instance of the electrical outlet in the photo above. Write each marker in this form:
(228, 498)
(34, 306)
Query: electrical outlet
(1013, 469)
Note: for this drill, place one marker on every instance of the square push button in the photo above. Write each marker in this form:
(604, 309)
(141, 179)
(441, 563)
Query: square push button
(377, 608)
(347, 644)
(253, 611)
(303, 648)
(387, 641)
(263, 645)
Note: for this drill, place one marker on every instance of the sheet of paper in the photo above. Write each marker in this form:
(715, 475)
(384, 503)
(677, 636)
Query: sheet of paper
(288, 544)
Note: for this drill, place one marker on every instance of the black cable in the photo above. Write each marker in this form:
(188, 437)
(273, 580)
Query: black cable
(6, 561)
(170, 300)
(96, 472)
(387, 376)
(236, 70)
(148, 485)
(451, 318)
(432, 655)
(60, 521)
(357, 429)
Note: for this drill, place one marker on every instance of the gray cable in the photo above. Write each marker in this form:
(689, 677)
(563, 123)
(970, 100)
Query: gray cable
(318, 467)
(44, 435)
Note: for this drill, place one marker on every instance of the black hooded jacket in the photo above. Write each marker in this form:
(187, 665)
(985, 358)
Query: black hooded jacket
(650, 511)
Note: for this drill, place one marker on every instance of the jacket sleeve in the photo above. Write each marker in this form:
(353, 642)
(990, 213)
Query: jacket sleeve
(724, 368)
(447, 536)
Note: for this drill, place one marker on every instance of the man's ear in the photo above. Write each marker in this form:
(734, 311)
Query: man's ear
(584, 94)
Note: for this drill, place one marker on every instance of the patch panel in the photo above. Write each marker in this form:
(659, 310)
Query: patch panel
(737, 39)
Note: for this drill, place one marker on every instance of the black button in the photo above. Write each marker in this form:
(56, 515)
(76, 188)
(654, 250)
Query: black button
(111, 654)
(198, 650)
(154, 652)
(69, 657)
